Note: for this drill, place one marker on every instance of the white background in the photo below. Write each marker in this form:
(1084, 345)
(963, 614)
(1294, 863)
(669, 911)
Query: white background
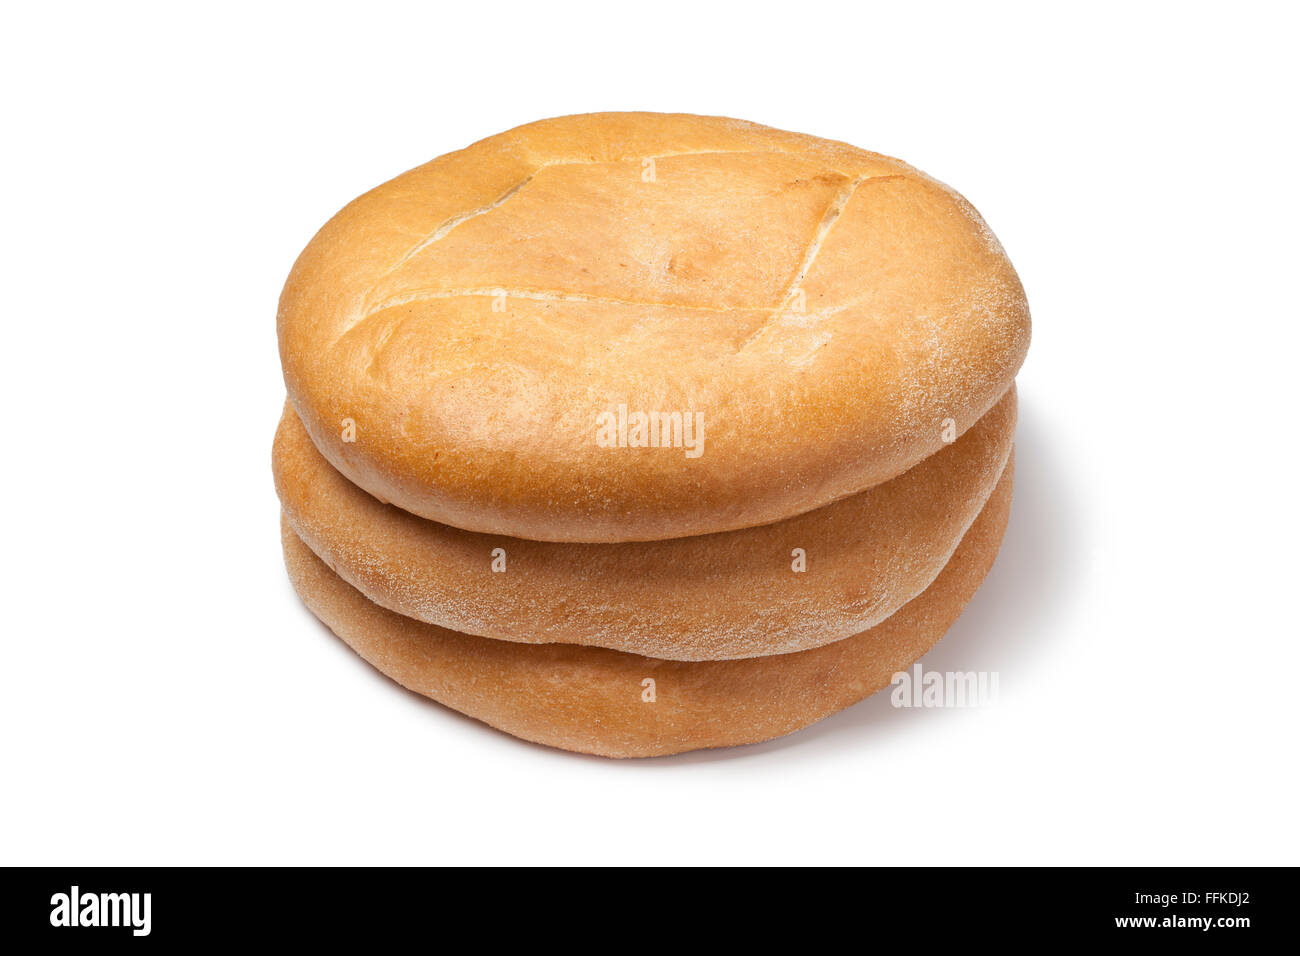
(165, 697)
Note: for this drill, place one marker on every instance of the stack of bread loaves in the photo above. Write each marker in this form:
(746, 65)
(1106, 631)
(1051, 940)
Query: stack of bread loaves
(634, 433)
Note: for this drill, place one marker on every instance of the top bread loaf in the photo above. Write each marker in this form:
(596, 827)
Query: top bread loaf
(636, 326)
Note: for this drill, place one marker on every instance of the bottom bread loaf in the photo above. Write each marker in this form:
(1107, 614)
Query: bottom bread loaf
(616, 704)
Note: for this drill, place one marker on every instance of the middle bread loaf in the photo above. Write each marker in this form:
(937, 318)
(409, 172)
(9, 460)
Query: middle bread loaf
(774, 589)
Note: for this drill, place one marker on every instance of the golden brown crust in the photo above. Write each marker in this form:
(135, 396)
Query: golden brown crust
(591, 699)
(826, 310)
(712, 597)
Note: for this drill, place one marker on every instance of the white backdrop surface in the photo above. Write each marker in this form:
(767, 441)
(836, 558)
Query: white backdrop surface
(165, 698)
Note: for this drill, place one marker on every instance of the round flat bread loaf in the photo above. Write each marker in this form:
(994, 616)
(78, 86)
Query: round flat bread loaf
(614, 704)
(789, 586)
(637, 326)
